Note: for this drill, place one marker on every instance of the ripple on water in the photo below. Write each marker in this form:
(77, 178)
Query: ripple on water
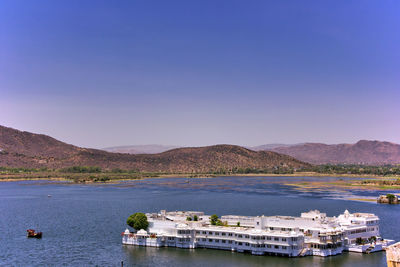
(82, 224)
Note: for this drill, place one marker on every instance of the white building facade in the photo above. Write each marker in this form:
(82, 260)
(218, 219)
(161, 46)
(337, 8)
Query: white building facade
(313, 233)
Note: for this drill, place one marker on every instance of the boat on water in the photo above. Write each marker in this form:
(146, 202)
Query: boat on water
(32, 233)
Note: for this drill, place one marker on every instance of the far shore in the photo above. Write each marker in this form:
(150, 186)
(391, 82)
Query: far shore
(85, 178)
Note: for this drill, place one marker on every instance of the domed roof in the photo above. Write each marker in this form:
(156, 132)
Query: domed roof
(182, 225)
(127, 231)
(142, 232)
(346, 213)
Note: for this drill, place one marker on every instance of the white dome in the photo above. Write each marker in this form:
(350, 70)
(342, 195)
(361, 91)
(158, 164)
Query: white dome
(142, 232)
(346, 214)
(182, 225)
(127, 231)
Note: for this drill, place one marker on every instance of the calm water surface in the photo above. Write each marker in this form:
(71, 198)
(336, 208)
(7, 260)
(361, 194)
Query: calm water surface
(82, 223)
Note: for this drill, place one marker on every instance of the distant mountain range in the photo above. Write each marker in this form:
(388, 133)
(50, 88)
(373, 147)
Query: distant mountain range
(25, 149)
(270, 146)
(154, 149)
(139, 149)
(363, 152)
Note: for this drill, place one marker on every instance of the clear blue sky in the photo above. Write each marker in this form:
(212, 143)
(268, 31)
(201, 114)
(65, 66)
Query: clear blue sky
(105, 73)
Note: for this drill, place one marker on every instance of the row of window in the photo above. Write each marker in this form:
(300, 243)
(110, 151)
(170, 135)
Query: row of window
(215, 240)
(183, 232)
(243, 243)
(231, 242)
(213, 233)
(281, 229)
(358, 231)
(284, 239)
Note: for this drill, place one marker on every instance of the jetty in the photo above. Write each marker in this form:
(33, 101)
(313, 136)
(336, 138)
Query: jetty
(313, 233)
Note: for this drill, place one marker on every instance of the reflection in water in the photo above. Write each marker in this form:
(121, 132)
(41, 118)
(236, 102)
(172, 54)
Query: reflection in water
(304, 186)
(149, 256)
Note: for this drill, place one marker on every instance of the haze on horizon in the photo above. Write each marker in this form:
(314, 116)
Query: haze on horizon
(102, 74)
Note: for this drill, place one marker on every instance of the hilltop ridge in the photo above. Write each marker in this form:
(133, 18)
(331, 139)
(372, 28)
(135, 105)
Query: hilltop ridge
(25, 149)
(364, 152)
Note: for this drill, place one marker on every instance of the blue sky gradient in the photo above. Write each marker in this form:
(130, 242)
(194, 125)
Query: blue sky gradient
(105, 73)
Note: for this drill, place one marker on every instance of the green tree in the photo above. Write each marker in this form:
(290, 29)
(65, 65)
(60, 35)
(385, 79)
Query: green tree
(138, 221)
(360, 241)
(214, 219)
(391, 198)
(238, 224)
(188, 218)
(219, 223)
(195, 218)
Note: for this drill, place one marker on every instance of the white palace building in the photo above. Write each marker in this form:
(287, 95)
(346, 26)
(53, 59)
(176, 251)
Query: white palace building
(313, 233)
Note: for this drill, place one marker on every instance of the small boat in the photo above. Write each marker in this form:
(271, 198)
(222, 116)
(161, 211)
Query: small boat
(34, 234)
(48, 195)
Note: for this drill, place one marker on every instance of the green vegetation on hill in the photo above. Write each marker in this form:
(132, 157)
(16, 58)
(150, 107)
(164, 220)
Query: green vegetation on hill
(356, 169)
(81, 169)
(81, 174)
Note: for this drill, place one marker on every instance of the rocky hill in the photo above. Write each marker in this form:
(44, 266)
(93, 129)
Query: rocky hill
(363, 152)
(24, 149)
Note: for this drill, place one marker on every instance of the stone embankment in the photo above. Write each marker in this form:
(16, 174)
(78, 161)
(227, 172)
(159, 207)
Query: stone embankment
(393, 255)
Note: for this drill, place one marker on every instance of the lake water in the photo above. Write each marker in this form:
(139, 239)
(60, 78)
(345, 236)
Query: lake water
(82, 224)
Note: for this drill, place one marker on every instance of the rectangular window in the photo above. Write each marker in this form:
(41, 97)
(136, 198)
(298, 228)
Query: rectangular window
(276, 238)
(276, 247)
(283, 239)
